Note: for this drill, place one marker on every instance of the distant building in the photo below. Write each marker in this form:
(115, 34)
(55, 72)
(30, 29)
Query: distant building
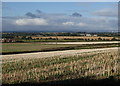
(1, 40)
(82, 34)
(95, 35)
(88, 34)
(7, 40)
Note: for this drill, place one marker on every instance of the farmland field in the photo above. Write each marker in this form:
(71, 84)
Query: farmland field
(96, 65)
(18, 47)
(74, 37)
(70, 39)
(60, 43)
(36, 47)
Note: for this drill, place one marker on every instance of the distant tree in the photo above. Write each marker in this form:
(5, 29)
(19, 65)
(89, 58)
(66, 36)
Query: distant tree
(104, 39)
(99, 38)
(23, 37)
(85, 39)
(19, 41)
(29, 38)
(114, 39)
(50, 38)
(37, 38)
(88, 39)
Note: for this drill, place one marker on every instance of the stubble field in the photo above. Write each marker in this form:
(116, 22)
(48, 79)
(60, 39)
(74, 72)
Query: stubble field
(95, 65)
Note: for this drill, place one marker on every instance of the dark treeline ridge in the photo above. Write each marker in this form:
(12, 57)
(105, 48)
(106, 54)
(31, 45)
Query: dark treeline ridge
(13, 34)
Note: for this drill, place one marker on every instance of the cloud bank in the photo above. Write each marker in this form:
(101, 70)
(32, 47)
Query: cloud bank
(36, 21)
(106, 13)
(40, 21)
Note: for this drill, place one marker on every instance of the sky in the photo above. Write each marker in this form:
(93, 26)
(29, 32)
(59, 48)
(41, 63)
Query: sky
(60, 0)
(60, 16)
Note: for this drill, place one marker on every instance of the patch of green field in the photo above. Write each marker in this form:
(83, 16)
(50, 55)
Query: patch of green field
(26, 47)
(18, 47)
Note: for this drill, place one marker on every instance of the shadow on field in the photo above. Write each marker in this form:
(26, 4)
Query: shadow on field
(77, 82)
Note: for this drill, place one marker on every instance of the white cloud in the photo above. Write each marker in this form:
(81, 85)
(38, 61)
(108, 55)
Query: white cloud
(74, 24)
(81, 24)
(35, 21)
(68, 23)
(106, 12)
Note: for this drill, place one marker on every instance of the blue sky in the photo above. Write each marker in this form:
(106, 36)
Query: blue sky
(60, 0)
(59, 14)
(20, 8)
